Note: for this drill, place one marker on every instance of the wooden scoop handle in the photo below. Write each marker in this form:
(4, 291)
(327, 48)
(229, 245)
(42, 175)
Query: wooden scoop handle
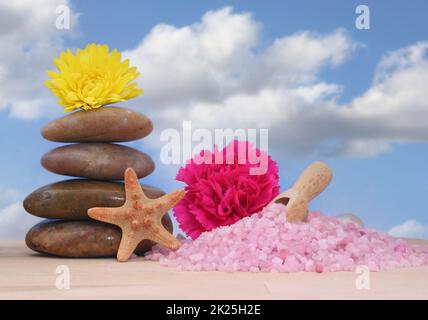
(310, 184)
(312, 181)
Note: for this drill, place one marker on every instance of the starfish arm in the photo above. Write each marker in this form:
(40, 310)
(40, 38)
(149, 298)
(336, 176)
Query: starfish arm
(109, 215)
(140, 217)
(166, 202)
(128, 243)
(164, 238)
(133, 188)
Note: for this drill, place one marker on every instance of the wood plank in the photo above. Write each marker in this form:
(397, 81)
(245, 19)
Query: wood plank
(27, 275)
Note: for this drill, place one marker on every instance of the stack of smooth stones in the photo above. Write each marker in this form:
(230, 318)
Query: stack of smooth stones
(92, 155)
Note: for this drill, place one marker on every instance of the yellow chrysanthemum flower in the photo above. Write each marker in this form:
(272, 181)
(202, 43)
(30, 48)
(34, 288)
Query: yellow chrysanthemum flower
(92, 78)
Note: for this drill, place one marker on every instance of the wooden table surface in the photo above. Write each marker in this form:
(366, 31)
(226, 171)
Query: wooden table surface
(27, 275)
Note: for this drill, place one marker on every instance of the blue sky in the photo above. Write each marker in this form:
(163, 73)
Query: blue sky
(385, 188)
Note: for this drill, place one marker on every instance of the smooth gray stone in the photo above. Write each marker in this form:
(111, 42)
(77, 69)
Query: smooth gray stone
(106, 124)
(81, 239)
(71, 199)
(99, 161)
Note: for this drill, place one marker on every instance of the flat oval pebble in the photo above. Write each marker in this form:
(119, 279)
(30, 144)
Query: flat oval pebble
(81, 239)
(106, 124)
(350, 217)
(71, 199)
(100, 161)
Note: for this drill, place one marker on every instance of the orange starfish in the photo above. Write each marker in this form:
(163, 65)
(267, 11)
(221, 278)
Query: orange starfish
(140, 217)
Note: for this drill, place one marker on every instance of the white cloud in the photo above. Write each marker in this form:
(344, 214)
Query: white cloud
(216, 73)
(29, 41)
(215, 59)
(8, 195)
(14, 220)
(219, 72)
(409, 229)
(196, 62)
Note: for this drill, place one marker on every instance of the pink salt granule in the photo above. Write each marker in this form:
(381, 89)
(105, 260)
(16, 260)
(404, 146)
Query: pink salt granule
(266, 242)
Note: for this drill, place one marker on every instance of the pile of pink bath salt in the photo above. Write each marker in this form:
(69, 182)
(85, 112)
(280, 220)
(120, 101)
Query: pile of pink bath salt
(266, 242)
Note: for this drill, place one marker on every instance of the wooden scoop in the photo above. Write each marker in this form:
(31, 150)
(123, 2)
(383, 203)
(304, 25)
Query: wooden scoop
(310, 184)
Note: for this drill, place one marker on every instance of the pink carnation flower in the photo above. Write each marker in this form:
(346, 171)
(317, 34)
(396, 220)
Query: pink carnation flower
(222, 187)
